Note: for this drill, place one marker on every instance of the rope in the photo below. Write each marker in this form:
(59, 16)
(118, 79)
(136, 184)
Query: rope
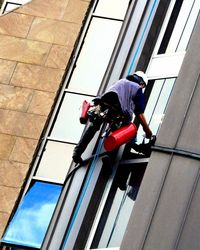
(83, 192)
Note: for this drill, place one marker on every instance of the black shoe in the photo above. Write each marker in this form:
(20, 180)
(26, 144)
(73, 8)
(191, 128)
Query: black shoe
(77, 158)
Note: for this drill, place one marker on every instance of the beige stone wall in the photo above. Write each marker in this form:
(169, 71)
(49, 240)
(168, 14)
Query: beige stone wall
(36, 42)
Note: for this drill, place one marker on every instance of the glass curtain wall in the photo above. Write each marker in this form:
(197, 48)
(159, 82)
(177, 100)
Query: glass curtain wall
(163, 69)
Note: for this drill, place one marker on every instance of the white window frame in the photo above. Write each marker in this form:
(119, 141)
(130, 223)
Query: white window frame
(8, 6)
(165, 65)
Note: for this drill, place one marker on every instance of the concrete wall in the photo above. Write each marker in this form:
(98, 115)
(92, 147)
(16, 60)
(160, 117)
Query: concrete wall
(36, 42)
(166, 214)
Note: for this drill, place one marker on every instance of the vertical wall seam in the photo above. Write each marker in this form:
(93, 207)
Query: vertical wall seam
(187, 209)
(156, 204)
(187, 110)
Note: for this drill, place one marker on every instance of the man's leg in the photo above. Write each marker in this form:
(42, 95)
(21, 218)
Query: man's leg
(84, 141)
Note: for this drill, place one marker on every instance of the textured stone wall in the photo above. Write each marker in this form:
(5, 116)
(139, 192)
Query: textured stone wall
(36, 42)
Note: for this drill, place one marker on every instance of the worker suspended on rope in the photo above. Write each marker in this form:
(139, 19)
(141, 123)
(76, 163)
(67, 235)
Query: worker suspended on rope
(123, 99)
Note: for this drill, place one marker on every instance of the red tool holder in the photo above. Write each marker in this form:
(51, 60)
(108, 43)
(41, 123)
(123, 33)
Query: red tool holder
(84, 112)
(120, 136)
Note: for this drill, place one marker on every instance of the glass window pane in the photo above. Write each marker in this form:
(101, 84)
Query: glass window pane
(153, 98)
(105, 8)
(120, 202)
(158, 114)
(156, 105)
(30, 222)
(67, 126)
(117, 220)
(95, 55)
(177, 31)
(180, 25)
(189, 27)
(55, 161)
(169, 24)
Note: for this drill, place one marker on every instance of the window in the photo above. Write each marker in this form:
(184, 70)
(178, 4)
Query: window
(180, 26)
(118, 205)
(29, 224)
(173, 40)
(67, 126)
(160, 91)
(8, 6)
(55, 162)
(105, 8)
(95, 55)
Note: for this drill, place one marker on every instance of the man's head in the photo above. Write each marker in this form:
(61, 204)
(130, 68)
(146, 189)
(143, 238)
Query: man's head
(141, 78)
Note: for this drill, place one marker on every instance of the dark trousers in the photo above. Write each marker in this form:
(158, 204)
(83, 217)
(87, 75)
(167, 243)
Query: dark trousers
(86, 138)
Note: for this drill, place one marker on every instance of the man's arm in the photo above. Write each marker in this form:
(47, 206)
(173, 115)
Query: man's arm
(144, 124)
(139, 112)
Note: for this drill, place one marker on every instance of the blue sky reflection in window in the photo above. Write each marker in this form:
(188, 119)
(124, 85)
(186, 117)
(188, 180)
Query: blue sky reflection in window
(31, 220)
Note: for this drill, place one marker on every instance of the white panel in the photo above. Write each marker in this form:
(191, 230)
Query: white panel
(67, 126)
(112, 8)
(164, 66)
(55, 162)
(95, 55)
(108, 248)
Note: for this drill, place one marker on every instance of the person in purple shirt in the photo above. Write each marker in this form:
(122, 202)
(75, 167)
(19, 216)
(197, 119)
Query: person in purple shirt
(124, 98)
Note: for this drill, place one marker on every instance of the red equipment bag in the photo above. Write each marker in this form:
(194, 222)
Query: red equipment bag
(84, 112)
(120, 136)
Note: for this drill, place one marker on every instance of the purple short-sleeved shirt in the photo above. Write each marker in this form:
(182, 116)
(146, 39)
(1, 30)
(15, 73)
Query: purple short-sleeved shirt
(130, 96)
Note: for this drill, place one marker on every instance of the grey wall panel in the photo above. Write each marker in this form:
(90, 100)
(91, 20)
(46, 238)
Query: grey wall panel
(173, 204)
(146, 201)
(190, 134)
(182, 93)
(162, 203)
(189, 236)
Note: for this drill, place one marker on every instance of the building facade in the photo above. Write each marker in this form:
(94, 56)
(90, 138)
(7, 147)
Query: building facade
(143, 202)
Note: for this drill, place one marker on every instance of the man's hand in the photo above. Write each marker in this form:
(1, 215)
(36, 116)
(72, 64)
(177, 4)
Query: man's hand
(148, 134)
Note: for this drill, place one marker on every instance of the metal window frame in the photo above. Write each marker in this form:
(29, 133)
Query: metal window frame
(133, 163)
(108, 76)
(49, 242)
